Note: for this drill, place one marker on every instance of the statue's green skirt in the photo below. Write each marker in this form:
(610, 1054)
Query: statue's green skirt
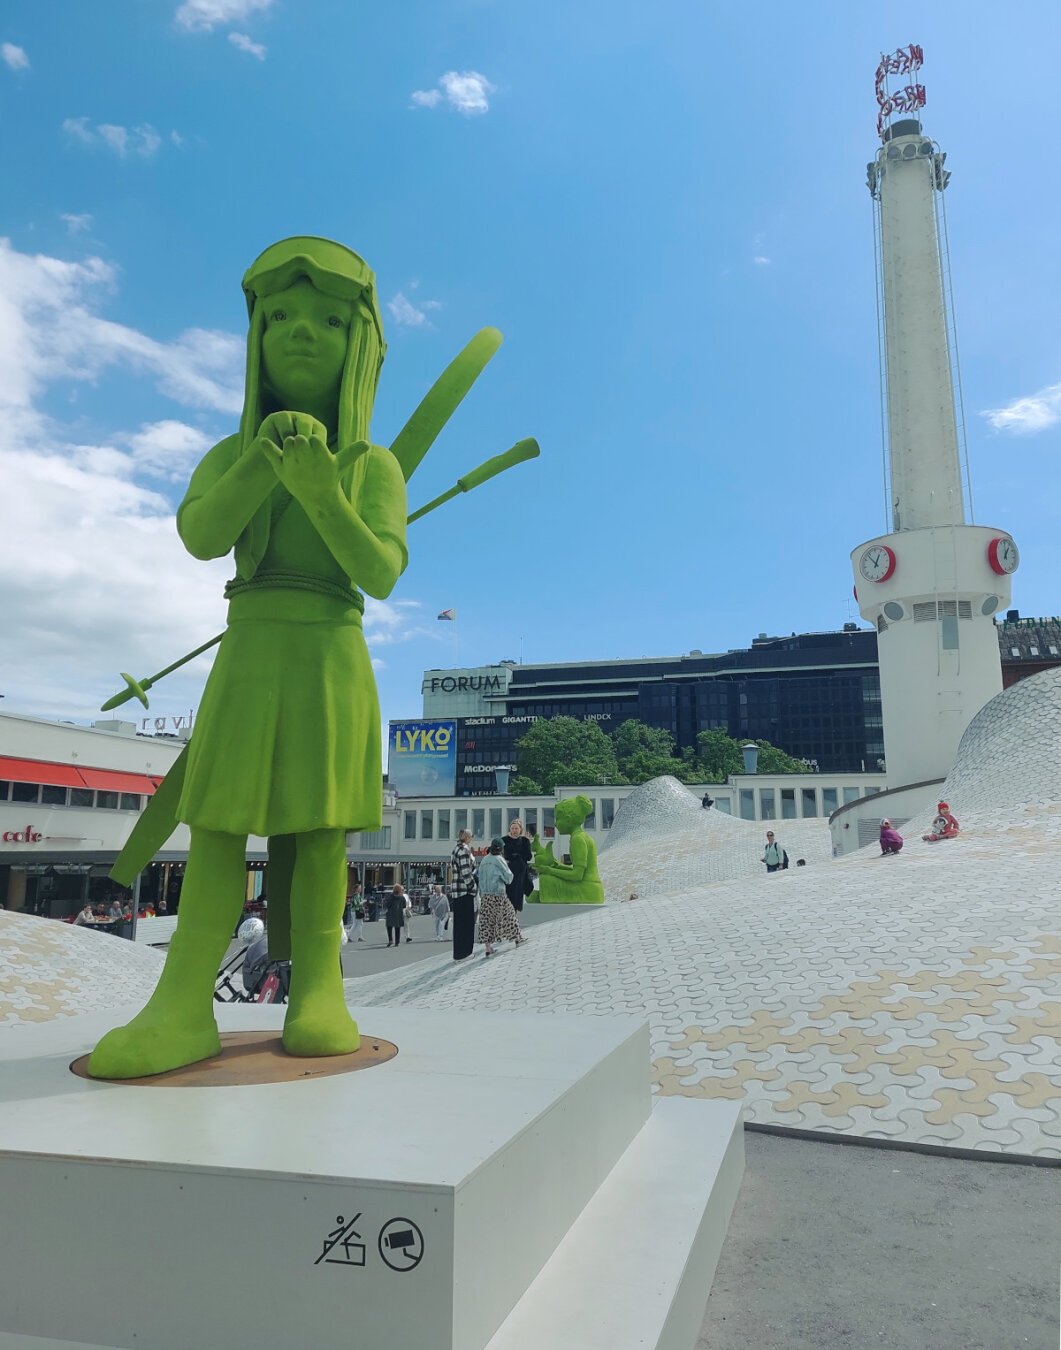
(287, 736)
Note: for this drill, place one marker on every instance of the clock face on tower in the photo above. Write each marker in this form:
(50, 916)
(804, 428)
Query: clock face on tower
(1003, 556)
(877, 562)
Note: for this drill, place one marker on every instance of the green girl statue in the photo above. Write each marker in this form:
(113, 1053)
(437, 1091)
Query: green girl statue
(287, 738)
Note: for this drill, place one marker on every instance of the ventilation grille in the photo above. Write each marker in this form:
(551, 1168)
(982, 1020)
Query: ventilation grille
(882, 623)
(930, 610)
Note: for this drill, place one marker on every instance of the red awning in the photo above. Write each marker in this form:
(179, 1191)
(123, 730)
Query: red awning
(35, 771)
(110, 780)
(67, 775)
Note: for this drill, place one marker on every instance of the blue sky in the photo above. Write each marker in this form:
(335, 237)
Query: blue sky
(661, 206)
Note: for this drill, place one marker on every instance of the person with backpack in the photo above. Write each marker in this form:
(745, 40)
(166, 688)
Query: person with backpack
(774, 856)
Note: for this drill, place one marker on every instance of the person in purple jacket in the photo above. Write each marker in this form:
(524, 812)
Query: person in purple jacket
(891, 841)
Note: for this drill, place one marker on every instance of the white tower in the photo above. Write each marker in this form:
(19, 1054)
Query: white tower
(930, 586)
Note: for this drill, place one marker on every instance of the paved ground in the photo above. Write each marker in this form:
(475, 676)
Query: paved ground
(836, 1246)
(373, 956)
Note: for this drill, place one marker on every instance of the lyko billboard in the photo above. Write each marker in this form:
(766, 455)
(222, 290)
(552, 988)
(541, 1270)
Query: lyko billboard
(422, 758)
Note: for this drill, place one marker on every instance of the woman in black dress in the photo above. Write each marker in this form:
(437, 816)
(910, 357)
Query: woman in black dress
(517, 852)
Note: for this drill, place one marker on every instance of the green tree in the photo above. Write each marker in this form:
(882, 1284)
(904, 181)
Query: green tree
(565, 750)
(520, 786)
(645, 752)
(773, 760)
(719, 755)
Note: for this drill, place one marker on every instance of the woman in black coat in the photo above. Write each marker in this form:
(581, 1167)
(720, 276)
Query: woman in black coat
(517, 852)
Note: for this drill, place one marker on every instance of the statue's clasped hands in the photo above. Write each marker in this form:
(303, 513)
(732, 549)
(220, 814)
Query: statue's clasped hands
(297, 447)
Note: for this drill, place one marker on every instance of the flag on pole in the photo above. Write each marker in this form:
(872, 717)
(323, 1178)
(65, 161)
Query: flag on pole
(449, 614)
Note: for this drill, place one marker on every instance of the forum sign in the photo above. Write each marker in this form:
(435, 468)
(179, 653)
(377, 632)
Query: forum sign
(422, 759)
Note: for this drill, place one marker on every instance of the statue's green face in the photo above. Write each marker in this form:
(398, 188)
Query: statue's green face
(570, 813)
(304, 345)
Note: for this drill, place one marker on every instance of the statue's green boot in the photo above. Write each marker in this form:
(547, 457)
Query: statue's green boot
(177, 1026)
(318, 1021)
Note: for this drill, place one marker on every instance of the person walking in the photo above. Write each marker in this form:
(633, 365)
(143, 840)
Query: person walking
(463, 895)
(891, 841)
(354, 918)
(408, 918)
(440, 911)
(517, 853)
(395, 916)
(773, 854)
(497, 915)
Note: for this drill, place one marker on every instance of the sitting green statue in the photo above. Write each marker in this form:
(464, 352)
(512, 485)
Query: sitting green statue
(577, 882)
(287, 738)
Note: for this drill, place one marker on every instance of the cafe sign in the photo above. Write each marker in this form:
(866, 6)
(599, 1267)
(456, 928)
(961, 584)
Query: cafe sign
(27, 836)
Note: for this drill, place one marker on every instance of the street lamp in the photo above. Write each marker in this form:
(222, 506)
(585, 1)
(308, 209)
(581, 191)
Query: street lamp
(501, 777)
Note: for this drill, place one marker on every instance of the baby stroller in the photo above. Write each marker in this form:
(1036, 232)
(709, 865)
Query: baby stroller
(262, 980)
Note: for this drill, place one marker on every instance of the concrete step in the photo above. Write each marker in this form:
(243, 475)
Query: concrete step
(635, 1269)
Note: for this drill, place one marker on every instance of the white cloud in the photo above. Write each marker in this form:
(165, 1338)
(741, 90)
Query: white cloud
(95, 578)
(245, 44)
(202, 16)
(78, 128)
(49, 330)
(409, 314)
(168, 449)
(75, 224)
(1025, 416)
(14, 56)
(467, 91)
(760, 260)
(143, 140)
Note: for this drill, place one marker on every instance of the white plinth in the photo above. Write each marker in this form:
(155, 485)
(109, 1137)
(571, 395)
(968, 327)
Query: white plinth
(166, 1217)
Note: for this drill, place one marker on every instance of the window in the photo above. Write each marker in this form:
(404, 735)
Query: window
(5, 788)
(130, 801)
(607, 812)
(724, 804)
(532, 819)
(427, 824)
(478, 823)
(56, 796)
(851, 795)
(81, 796)
(460, 819)
(107, 800)
(829, 802)
(512, 813)
(410, 824)
(1014, 651)
(443, 824)
(548, 822)
(747, 803)
(25, 792)
(377, 838)
(767, 804)
(810, 801)
(872, 791)
(495, 821)
(788, 803)
(590, 823)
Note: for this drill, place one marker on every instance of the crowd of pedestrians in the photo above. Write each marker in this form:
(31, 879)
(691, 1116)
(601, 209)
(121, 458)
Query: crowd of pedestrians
(483, 903)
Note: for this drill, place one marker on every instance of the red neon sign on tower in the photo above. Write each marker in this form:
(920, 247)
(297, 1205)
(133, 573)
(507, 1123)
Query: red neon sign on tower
(908, 99)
